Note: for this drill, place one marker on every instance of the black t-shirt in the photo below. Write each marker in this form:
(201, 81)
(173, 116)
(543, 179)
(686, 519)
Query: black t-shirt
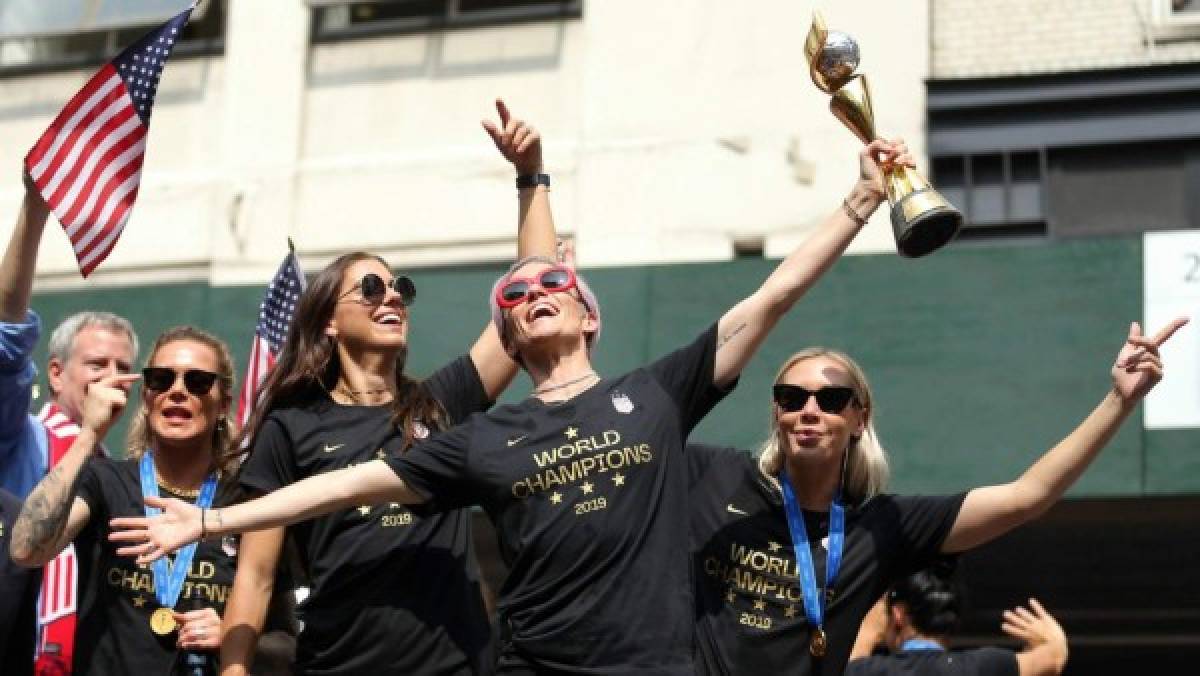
(588, 497)
(749, 607)
(112, 634)
(18, 599)
(979, 662)
(394, 590)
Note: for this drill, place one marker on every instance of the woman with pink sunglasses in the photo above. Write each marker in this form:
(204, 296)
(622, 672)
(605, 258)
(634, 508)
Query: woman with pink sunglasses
(585, 480)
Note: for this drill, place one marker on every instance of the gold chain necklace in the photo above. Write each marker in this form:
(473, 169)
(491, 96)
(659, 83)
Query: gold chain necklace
(192, 493)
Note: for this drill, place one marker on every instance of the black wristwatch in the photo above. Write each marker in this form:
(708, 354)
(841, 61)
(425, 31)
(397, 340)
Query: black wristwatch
(533, 180)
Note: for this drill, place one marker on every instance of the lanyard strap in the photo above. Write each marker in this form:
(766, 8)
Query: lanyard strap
(919, 644)
(814, 606)
(168, 578)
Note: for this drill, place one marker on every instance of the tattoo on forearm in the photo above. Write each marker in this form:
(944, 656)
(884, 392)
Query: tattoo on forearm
(43, 517)
(731, 335)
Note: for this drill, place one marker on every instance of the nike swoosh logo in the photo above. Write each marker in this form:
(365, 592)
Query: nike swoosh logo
(514, 442)
(735, 510)
(330, 448)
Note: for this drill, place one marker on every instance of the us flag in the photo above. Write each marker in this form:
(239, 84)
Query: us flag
(274, 318)
(88, 164)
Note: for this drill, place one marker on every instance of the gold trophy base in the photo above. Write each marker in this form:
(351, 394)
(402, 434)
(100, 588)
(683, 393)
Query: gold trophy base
(923, 221)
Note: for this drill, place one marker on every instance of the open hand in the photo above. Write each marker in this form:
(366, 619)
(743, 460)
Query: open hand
(517, 141)
(153, 537)
(1043, 637)
(1138, 367)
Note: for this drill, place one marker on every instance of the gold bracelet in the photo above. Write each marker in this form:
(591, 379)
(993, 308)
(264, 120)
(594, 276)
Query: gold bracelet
(853, 214)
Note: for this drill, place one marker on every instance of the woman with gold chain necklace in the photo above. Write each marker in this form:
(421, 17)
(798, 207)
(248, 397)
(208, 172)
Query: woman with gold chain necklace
(135, 620)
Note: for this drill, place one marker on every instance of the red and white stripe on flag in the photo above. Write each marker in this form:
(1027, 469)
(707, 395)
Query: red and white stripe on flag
(58, 587)
(274, 320)
(260, 363)
(88, 164)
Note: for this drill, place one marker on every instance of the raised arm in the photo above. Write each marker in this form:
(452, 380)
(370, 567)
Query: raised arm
(181, 523)
(521, 145)
(52, 515)
(991, 511)
(744, 327)
(20, 259)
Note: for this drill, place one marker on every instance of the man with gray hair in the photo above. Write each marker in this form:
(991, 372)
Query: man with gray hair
(84, 348)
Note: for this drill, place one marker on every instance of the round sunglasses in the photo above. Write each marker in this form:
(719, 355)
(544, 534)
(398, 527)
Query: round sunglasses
(551, 280)
(830, 399)
(373, 289)
(198, 382)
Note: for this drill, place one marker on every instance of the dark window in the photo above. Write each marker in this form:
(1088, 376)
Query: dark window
(354, 19)
(1120, 189)
(1185, 5)
(998, 193)
(204, 34)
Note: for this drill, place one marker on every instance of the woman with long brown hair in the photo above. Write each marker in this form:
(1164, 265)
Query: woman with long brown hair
(134, 620)
(394, 590)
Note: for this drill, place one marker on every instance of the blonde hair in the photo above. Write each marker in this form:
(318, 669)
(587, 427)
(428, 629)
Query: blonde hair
(866, 465)
(140, 436)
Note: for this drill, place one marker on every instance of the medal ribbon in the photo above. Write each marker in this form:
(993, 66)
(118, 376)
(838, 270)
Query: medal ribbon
(814, 603)
(168, 578)
(917, 644)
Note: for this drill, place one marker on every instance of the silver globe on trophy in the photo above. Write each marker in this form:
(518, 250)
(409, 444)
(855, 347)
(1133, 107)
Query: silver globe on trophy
(922, 220)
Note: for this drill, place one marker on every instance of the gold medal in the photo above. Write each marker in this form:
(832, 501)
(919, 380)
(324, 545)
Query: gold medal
(816, 643)
(162, 622)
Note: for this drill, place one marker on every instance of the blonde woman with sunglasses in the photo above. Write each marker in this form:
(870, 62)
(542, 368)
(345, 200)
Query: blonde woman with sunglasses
(792, 548)
(135, 619)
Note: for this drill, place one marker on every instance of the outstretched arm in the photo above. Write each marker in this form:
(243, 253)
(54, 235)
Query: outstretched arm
(180, 523)
(521, 145)
(991, 511)
(20, 259)
(52, 515)
(1045, 652)
(742, 330)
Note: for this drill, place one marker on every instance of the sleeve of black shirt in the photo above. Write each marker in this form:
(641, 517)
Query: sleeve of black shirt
(864, 666)
(89, 487)
(994, 662)
(924, 523)
(458, 387)
(687, 375)
(706, 458)
(439, 469)
(18, 600)
(271, 464)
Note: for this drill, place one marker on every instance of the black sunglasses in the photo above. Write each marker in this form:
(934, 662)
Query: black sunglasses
(197, 381)
(373, 289)
(830, 399)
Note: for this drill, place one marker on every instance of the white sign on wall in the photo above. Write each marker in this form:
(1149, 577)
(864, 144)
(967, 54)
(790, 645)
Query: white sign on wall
(1171, 270)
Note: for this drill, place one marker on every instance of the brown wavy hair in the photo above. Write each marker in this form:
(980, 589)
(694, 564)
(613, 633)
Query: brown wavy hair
(140, 436)
(308, 366)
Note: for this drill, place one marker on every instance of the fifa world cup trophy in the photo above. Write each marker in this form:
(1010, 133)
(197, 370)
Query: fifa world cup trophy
(922, 220)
